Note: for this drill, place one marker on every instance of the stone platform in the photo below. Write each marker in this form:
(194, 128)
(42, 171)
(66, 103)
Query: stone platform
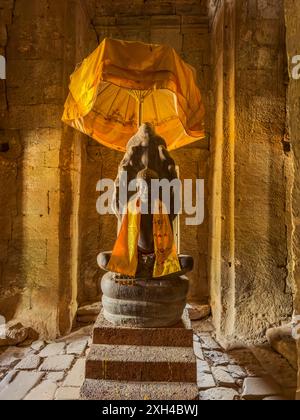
(138, 364)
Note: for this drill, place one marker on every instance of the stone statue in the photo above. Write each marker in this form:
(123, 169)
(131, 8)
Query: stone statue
(144, 267)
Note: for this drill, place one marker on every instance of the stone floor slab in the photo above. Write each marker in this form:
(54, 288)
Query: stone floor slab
(67, 394)
(208, 343)
(222, 377)
(21, 386)
(77, 375)
(205, 381)
(38, 345)
(45, 391)
(236, 371)
(198, 351)
(29, 363)
(54, 349)
(57, 363)
(203, 367)
(56, 376)
(219, 394)
(9, 377)
(77, 347)
(217, 358)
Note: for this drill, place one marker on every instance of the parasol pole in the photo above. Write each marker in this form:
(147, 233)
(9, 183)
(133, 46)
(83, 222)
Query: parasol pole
(141, 109)
(140, 97)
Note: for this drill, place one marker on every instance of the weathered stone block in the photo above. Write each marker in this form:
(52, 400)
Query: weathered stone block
(223, 378)
(178, 336)
(108, 390)
(136, 363)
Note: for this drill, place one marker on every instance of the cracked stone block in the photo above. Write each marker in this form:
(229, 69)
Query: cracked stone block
(260, 388)
(67, 394)
(20, 386)
(208, 343)
(29, 363)
(54, 349)
(76, 376)
(236, 372)
(222, 377)
(43, 392)
(217, 358)
(57, 363)
(205, 381)
(219, 394)
(77, 347)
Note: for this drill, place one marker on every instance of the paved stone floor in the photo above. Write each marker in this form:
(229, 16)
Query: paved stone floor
(55, 371)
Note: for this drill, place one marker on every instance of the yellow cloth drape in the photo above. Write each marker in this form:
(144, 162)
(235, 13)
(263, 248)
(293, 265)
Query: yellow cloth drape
(124, 259)
(102, 102)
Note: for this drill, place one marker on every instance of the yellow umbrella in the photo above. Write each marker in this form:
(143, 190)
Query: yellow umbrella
(123, 84)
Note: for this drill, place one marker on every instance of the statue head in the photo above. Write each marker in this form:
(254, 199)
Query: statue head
(146, 158)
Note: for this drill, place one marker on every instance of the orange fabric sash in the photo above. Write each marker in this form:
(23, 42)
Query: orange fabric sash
(124, 258)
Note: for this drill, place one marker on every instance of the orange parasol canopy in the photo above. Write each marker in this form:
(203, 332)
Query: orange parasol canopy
(123, 84)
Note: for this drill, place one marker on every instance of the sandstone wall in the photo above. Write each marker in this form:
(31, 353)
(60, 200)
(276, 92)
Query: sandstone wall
(39, 175)
(263, 293)
(184, 26)
(292, 15)
(251, 287)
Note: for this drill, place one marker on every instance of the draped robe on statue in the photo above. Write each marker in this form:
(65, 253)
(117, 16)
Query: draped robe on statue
(124, 258)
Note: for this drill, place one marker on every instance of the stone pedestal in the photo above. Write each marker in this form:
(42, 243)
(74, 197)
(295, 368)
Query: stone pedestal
(127, 363)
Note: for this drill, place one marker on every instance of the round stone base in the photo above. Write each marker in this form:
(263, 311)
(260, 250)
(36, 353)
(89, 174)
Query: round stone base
(152, 303)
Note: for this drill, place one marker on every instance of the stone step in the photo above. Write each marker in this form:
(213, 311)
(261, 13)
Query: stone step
(115, 391)
(179, 336)
(141, 364)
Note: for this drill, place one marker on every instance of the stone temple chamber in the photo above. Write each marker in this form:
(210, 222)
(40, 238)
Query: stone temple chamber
(149, 202)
